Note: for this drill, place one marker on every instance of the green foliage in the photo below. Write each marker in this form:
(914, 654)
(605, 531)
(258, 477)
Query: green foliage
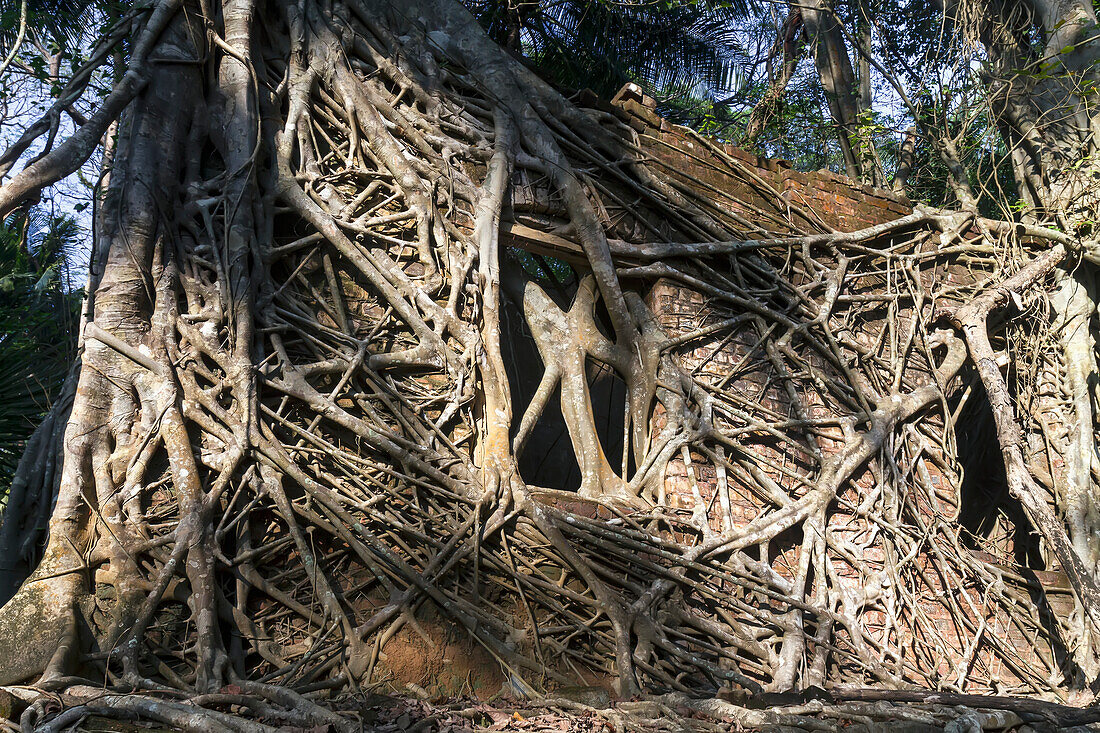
(548, 272)
(800, 130)
(603, 44)
(982, 153)
(703, 114)
(62, 21)
(38, 316)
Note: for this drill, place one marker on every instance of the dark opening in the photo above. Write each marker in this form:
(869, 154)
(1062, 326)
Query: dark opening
(608, 392)
(548, 459)
(992, 519)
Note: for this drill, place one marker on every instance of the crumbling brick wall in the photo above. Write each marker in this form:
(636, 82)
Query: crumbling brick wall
(827, 202)
(822, 198)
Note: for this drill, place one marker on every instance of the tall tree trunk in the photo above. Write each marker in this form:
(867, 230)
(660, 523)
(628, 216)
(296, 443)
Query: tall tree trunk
(1041, 99)
(847, 95)
(906, 158)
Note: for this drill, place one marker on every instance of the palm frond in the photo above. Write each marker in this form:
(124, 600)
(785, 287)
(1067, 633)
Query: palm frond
(62, 21)
(602, 44)
(37, 325)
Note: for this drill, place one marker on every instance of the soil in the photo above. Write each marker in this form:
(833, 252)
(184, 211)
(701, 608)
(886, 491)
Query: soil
(445, 664)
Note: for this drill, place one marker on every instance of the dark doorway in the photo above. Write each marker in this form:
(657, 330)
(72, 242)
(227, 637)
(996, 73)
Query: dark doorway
(986, 510)
(548, 460)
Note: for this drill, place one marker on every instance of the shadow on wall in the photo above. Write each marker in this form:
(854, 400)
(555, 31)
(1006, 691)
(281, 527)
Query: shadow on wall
(989, 515)
(548, 460)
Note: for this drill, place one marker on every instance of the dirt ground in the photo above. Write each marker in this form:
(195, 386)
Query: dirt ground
(588, 710)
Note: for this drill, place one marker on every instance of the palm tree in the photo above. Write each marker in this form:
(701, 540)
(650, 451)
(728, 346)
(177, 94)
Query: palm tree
(602, 44)
(38, 315)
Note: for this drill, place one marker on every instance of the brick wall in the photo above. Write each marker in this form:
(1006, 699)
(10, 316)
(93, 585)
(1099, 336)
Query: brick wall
(826, 199)
(823, 201)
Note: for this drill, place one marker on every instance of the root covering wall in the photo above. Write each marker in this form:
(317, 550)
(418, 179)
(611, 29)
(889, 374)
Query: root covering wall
(336, 407)
(738, 362)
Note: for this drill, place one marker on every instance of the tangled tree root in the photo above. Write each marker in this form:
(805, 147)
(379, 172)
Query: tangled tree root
(297, 425)
(254, 710)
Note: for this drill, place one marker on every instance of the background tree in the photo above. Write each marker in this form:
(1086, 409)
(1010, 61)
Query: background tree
(603, 45)
(38, 318)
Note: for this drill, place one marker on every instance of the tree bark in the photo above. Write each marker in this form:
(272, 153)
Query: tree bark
(1039, 99)
(847, 95)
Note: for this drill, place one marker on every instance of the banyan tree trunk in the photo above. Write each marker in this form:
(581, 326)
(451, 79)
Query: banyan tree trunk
(295, 424)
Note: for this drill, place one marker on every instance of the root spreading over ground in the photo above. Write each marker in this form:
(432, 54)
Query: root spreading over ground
(296, 426)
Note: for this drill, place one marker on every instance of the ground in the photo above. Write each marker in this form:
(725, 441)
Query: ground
(588, 710)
